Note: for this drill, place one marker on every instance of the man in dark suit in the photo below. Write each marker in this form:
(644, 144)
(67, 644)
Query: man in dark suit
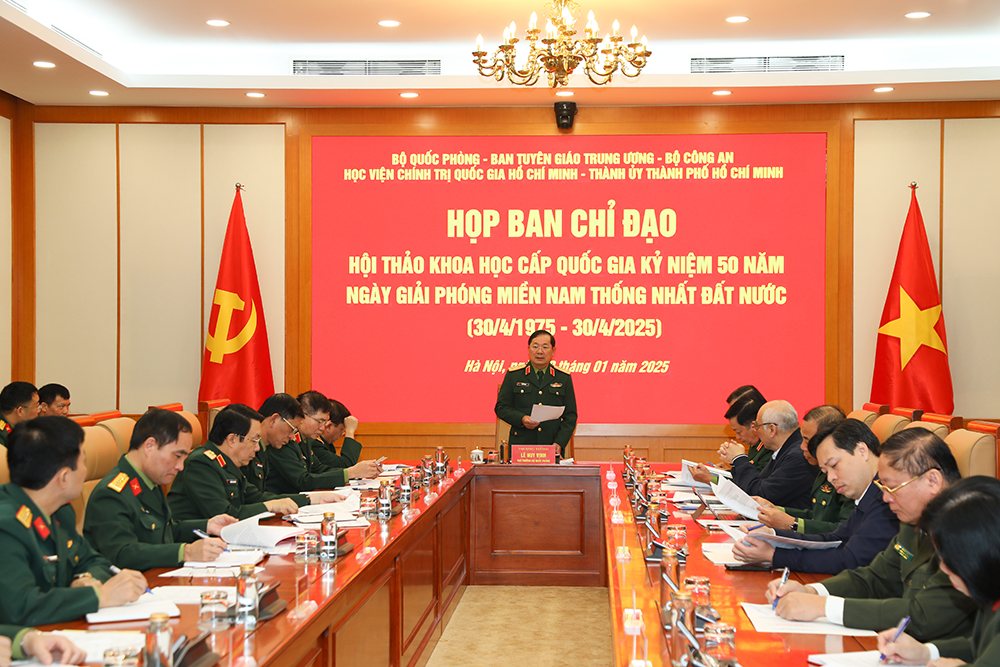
(848, 454)
(538, 383)
(787, 478)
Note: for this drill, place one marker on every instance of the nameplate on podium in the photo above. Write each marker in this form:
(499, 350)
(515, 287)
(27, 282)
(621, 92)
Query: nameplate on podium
(533, 453)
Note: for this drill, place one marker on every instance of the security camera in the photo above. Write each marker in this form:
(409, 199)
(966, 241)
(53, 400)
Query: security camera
(564, 114)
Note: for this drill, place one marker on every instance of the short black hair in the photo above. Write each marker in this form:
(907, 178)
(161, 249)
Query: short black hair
(542, 332)
(312, 402)
(745, 409)
(49, 393)
(846, 435)
(744, 391)
(235, 418)
(917, 450)
(39, 448)
(164, 426)
(284, 405)
(964, 524)
(16, 395)
(338, 412)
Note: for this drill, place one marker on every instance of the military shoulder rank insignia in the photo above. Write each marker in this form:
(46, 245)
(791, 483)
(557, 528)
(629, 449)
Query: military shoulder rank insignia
(119, 482)
(135, 486)
(40, 526)
(902, 551)
(4, 426)
(24, 516)
(210, 454)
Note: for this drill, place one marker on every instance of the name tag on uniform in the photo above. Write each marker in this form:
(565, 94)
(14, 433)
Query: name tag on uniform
(231, 481)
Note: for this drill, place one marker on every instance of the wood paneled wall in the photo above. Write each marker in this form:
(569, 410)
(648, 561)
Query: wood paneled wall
(668, 441)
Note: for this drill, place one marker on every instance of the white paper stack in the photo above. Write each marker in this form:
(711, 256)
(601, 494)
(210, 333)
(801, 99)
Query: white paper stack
(853, 659)
(779, 541)
(140, 610)
(230, 559)
(765, 620)
(736, 498)
(249, 533)
(95, 642)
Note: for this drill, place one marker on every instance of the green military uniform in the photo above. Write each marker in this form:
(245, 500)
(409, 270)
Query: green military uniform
(211, 484)
(828, 509)
(294, 468)
(524, 387)
(904, 580)
(759, 455)
(326, 453)
(259, 469)
(15, 633)
(982, 649)
(129, 521)
(4, 432)
(40, 558)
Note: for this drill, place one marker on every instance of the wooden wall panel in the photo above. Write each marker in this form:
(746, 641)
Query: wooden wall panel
(454, 532)
(418, 594)
(161, 339)
(365, 638)
(77, 280)
(6, 218)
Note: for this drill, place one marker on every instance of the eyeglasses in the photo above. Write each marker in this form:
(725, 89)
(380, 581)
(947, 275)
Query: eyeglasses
(255, 441)
(892, 492)
(295, 431)
(755, 426)
(322, 422)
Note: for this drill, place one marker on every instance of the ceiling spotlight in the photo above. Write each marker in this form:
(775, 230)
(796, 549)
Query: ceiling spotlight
(99, 93)
(917, 15)
(389, 23)
(408, 95)
(737, 19)
(44, 64)
(565, 93)
(884, 89)
(722, 92)
(217, 23)
(255, 94)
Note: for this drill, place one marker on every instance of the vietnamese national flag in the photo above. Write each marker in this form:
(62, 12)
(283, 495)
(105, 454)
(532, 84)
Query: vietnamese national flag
(911, 354)
(237, 362)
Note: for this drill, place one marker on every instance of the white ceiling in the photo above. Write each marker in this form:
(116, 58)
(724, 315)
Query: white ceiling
(163, 53)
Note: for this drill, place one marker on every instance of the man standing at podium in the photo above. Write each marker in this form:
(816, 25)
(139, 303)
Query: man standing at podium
(539, 382)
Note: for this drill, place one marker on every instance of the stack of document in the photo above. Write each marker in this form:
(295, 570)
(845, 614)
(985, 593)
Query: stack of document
(719, 553)
(765, 620)
(779, 541)
(231, 559)
(140, 610)
(736, 498)
(346, 511)
(853, 659)
(96, 642)
(249, 533)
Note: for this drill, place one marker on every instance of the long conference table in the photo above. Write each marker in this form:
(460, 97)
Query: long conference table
(482, 525)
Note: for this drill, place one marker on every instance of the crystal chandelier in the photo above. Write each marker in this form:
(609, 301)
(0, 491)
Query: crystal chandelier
(559, 53)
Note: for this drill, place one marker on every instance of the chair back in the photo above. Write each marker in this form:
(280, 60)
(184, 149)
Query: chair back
(120, 429)
(887, 425)
(975, 453)
(877, 408)
(197, 433)
(102, 456)
(4, 470)
(866, 416)
(940, 430)
(951, 421)
(913, 414)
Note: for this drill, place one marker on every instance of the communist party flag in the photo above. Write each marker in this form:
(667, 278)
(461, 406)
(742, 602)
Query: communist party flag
(237, 362)
(911, 354)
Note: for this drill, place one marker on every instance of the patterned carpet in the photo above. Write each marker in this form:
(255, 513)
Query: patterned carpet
(527, 626)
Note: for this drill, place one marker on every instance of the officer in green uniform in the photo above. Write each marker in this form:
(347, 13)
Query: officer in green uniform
(827, 508)
(538, 383)
(904, 580)
(128, 519)
(18, 403)
(51, 573)
(212, 483)
(332, 426)
(282, 415)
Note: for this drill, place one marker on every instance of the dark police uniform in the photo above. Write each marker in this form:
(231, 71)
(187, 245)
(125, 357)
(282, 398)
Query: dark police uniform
(827, 510)
(131, 524)
(904, 580)
(524, 387)
(40, 559)
(294, 469)
(211, 484)
(326, 453)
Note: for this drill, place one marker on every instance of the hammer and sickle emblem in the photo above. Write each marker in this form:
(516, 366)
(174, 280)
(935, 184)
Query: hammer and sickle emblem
(219, 343)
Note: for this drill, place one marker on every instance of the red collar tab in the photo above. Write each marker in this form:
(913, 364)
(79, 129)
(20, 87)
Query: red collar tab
(135, 486)
(40, 526)
(4, 425)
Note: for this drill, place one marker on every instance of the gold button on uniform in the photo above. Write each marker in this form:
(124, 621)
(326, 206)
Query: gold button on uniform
(539, 392)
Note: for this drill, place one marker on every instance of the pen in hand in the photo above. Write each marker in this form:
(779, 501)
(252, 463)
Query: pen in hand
(899, 631)
(784, 580)
(117, 570)
(203, 535)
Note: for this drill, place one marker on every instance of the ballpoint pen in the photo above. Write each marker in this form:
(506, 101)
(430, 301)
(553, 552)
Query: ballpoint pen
(203, 535)
(117, 570)
(899, 631)
(784, 580)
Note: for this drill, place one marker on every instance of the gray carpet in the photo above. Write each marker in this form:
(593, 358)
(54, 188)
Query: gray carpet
(527, 626)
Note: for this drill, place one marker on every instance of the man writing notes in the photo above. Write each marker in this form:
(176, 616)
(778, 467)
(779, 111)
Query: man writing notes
(787, 479)
(51, 573)
(211, 482)
(848, 454)
(128, 519)
(904, 580)
(538, 383)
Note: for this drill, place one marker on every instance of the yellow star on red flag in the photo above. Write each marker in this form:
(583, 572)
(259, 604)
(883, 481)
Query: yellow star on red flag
(914, 327)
